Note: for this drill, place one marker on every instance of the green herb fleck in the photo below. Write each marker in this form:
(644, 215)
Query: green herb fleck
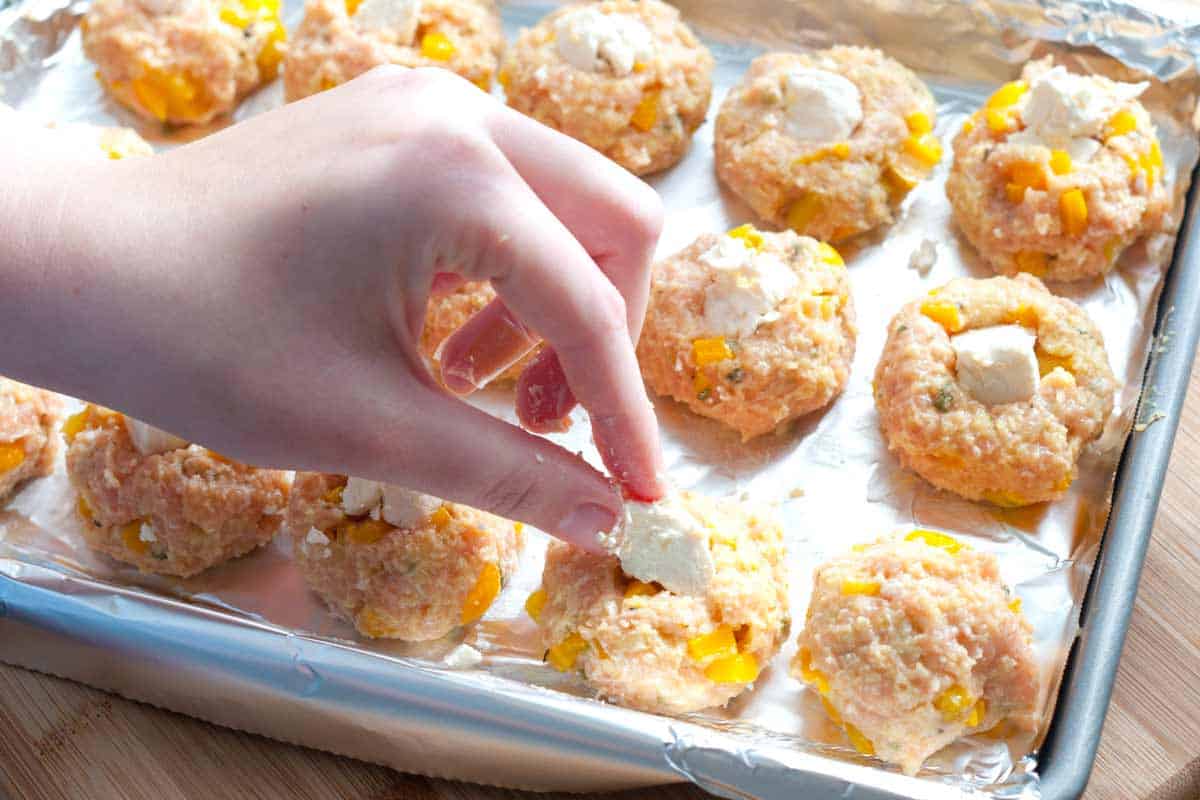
(704, 394)
(735, 375)
(902, 329)
(944, 399)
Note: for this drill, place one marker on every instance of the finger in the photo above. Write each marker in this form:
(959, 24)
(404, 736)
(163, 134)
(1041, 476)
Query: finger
(485, 346)
(543, 397)
(547, 279)
(614, 215)
(445, 283)
(460, 453)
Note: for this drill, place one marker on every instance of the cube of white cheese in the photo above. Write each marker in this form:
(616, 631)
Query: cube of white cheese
(663, 542)
(997, 365)
(149, 440)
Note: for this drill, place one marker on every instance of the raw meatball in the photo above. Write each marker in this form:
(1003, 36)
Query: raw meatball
(1057, 174)
(937, 394)
(28, 446)
(827, 143)
(752, 329)
(914, 641)
(152, 500)
(395, 563)
(642, 646)
(341, 39)
(183, 61)
(626, 77)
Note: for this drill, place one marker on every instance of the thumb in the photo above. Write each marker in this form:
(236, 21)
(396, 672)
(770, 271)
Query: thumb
(457, 452)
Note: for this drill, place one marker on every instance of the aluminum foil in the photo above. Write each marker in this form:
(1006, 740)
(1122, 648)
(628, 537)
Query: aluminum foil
(246, 645)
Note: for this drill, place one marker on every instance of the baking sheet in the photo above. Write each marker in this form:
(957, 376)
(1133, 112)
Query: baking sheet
(831, 476)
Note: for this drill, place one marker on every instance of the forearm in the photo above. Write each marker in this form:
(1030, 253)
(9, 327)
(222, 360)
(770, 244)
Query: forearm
(79, 304)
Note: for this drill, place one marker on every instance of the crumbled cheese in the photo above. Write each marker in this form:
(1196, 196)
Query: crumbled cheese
(747, 288)
(590, 40)
(361, 496)
(924, 257)
(146, 533)
(318, 540)
(1067, 111)
(463, 657)
(396, 505)
(663, 542)
(398, 16)
(405, 508)
(997, 365)
(820, 106)
(150, 440)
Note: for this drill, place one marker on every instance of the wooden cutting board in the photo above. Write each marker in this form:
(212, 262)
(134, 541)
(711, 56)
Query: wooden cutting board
(61, 740)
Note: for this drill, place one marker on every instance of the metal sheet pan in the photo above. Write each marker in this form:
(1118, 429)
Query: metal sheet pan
(210, 650)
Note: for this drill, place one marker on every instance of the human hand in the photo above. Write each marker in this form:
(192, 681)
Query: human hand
(262, 292)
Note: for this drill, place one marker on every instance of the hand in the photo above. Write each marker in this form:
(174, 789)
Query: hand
(262, 292)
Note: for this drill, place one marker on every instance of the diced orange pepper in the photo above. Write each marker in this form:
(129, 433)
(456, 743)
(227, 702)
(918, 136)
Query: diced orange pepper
(12, 455)
(719, 643)
(437, 46)
(1073, 209)
(482, 594)
(535, 603)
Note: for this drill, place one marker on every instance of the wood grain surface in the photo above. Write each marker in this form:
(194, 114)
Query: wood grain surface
(61, 740)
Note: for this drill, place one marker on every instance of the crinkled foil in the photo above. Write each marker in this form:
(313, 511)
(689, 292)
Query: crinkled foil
(246, 645)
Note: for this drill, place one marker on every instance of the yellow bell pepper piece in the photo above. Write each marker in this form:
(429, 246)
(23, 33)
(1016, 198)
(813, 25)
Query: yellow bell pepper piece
(131, 536)
(737, 668)
(803, 211)
(480, 597)
(829, 254)
(944, 313)
(437, 46)
(925, 148)
(441, 518)
(1032, 262)
(720, 643)
(1007, 95)
(814, 677)
(563, 655)
(918, 122)
(999, 120)
(1072, 208)
(367, 531)
(1060, 162)
(978, 712)
(747, 235)
(535, 603)
(853, 586)
(638, 588)
(645, 115)
(1004, 499)
(953, 703)
(710, 351)
(935, 539)
(1120, 123)
(831, 710)
(861, 743)
(12, 455)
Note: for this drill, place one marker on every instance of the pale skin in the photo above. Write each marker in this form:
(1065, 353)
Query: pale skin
(261, 292)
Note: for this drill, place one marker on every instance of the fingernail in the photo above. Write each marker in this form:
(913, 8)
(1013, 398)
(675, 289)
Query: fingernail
(584, 522)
